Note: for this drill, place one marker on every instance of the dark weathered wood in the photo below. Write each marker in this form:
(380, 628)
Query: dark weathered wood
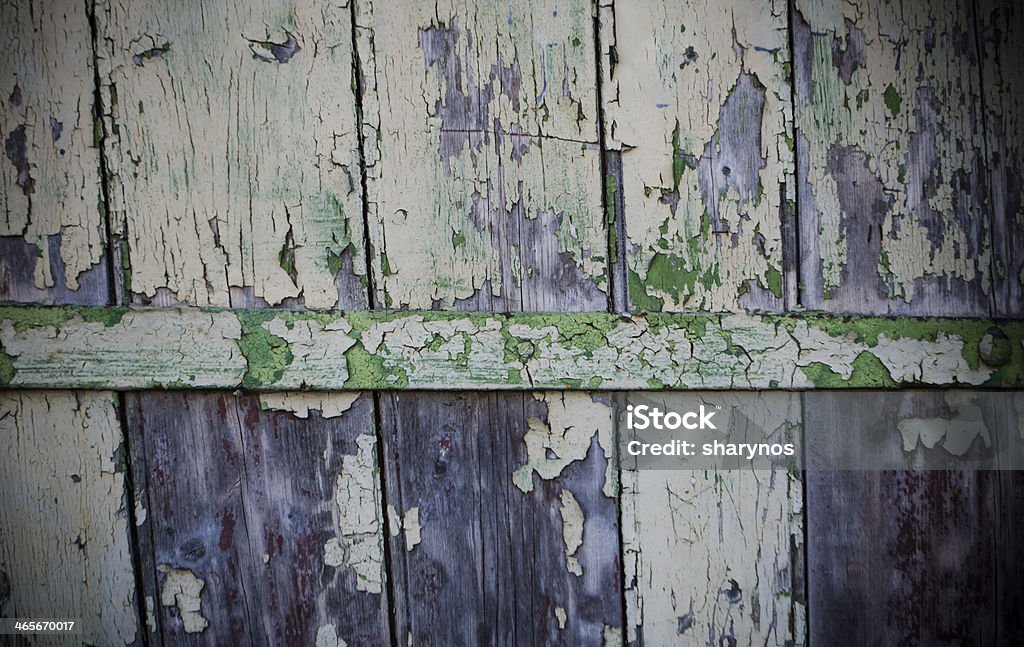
(909, 557)
(1001, 29)
(244, 500)
(491, 565)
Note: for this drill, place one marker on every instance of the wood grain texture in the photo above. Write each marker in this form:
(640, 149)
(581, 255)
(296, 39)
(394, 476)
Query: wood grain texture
(232, 152)
(480, 135)
(273, 351)
(894, 215)
(282, 540)
(911, 557)
(1001, 29)
(698, 100)
(52, 230)
(715, 556)
(516, 520)
(64, 526)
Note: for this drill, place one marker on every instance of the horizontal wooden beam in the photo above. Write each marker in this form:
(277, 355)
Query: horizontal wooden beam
(274, 350)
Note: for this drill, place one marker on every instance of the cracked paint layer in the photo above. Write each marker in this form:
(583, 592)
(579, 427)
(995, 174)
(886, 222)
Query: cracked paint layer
(359, 544)
(51, 198)
(64, 536)
(299, 404)
(698, 101)
(77, 347)
(190, 348)
(574, 421)
(482, 157)
(232, 151)
(892, 131)
(741, 528)
(955, 434)
(183, 590)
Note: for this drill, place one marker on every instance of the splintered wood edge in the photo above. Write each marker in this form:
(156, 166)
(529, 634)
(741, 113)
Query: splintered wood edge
(76, 347)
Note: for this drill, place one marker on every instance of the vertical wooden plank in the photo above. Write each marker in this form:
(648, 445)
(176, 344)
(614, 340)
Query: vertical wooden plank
(502, 512)
(267, 524)
(893, 208)
(235, 179)
(697, 98)
(480, 135)
(232, 151)
(911, 557)
(52, 232)
(895, 219)
(1001, 29)
(64, 537)
(715, 556)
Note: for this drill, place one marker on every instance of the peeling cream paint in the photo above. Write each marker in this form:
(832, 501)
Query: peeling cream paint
(316, 350)
(573, 421)
(359, 544)
(499, 148)
(87, 348)
(230, 169)
(327, 636)
(560, 617)
(699, 89)
(140, 512)
(907, 99)
(612, 636)
(182, 589)
(64, 536)
(150, 615)
(50, 174)
(410, 523)
(299, 404)
(737, 525)
(957, 434)
(572, 531)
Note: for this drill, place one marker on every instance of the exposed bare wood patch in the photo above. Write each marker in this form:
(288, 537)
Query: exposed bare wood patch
(699, 103)
(64, 550)
(281, 538)
(233, 151)
(51, 225)
(912, 555)
(483, 168)
(512, 567)
(1001, 26)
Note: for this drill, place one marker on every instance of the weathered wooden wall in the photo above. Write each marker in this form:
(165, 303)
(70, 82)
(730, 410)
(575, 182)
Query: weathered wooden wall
(570, 156)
